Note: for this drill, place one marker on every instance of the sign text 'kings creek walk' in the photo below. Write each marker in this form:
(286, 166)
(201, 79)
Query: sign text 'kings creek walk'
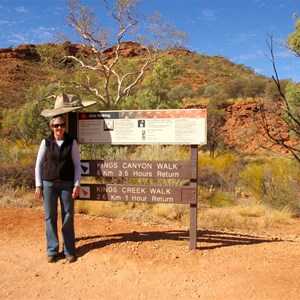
(140, 193)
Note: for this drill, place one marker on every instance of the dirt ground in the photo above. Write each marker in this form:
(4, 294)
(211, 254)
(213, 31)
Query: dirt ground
(121, 259)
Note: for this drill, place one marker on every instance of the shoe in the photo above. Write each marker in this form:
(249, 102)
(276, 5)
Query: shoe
(51, 258)
(71, 258)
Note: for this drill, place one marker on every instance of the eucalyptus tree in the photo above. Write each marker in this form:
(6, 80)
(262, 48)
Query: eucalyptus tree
(105, 72)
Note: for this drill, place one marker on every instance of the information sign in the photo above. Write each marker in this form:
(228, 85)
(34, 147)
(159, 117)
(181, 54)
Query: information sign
(138, 127)
(173, 126)
(139, 168)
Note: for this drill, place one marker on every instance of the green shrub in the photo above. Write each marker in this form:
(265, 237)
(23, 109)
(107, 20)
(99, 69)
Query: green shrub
(17, 162)
(226, 168)
(26, 123)
(221, 199)
(252, 178)
(17, 176)
(281, 187)
(180, 92)
(274, 183)
(4, 151)
(209, 178)
(16, 152)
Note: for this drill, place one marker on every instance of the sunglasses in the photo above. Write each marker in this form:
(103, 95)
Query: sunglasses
(62, 125)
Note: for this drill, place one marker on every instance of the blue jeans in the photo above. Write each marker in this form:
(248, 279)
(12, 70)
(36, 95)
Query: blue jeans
(52, 190)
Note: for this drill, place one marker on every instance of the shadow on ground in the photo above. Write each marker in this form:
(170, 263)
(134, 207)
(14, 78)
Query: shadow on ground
(206, 239)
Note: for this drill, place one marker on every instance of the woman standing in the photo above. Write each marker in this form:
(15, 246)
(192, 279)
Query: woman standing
(57, 176)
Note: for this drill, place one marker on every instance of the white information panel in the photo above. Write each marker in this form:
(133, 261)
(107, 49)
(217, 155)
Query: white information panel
(171, 126)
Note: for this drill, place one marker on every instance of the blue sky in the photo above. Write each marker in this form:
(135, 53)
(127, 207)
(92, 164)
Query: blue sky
(235, 29)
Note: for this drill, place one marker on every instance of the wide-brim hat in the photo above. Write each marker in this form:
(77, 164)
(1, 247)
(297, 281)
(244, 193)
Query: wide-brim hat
(65, 103)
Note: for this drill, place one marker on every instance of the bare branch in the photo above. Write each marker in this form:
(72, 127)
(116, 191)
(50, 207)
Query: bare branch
(117, 82)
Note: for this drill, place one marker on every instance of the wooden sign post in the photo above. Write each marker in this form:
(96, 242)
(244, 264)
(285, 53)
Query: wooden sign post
(167, 127)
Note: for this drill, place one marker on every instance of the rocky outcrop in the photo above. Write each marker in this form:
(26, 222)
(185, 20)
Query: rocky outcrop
(27, 52)
(244, 129)
(127, 49)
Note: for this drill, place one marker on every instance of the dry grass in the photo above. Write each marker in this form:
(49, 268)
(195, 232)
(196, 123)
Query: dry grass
(136, 211)
(98, 208)
(252, 210)
(18, 197)
(251, 218)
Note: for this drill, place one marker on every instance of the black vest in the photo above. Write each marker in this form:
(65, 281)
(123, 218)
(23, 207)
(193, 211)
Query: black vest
(58, 164)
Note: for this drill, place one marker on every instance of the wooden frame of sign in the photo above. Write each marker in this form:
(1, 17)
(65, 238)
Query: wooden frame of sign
(168, 127)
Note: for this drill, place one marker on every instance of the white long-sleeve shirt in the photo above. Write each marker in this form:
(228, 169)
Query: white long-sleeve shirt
(41, 157)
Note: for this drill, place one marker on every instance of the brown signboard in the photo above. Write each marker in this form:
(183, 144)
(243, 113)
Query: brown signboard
(167, 127)
(141, 169)
(139, 193)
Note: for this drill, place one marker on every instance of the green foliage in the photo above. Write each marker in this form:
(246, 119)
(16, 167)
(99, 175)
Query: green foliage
(255, 87)
(237, 87)
(178, 93)
(25, 123)
(51, 55)
(224, 171)
(281, 187)
(275, 183)
(245, 87)
(217, 98)
(17, 164)
(131, 102)
(293, 39)
(158, 84)
(229, 166)
(252, 178)
(212, 90)
(170, 81)
(271, 89)
(221, 199)
(17, 152)
(218, 101)
(292, 94)
(200, 91)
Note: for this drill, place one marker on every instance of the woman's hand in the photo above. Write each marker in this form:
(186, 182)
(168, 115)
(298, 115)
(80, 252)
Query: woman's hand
(76, 191)
(38, 192)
